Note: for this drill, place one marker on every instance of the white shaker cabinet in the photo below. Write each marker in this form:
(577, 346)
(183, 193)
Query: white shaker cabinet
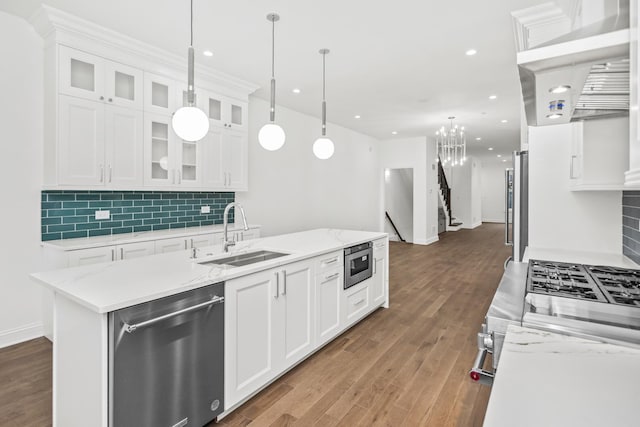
(227, 159)
(378, 288)
(164, 246)
(223, 111)
(160, 94)
(329, 287)
(135, 250)
(91, 256)
(123, 148)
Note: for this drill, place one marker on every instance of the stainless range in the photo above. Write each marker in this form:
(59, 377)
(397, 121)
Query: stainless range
(595, 302)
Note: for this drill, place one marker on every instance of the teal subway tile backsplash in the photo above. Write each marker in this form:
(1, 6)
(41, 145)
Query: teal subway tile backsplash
(71, 214)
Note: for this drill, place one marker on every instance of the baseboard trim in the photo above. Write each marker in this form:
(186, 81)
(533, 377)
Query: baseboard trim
(21, 334)
(494, 221)
(427, 241)
(475, 225)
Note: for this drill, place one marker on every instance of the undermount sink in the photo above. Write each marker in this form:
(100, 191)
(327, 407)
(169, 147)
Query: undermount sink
(245, 259)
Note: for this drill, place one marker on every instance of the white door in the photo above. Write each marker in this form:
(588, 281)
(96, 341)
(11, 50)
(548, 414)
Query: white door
(379, 275)
(296, 289)
(91, 256)
(124, 147)
(135, 250)
(123, 85)
(249, 334)
(235, 146)
(159, 151)
(81, 142)
(171, 245)
(213, 162)
(328, 288)
(81, 74)
(188, 168)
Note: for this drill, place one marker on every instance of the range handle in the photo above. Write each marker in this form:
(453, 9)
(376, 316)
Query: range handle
(134, 327)
(507, 175)
(478, 374)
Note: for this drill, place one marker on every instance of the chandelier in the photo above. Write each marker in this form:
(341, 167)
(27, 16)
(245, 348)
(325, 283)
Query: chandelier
(451, 145)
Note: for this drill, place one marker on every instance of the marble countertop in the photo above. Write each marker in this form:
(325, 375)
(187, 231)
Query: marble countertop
(547, 379)
(111, 286)
(143, 236)
(590, 258)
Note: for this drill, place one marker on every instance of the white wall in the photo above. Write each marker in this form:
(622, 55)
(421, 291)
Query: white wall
(418, 154)
(290, 190)
(21, 110)
(466, 197)
(562, 219)
(492, 179)
(398, 202)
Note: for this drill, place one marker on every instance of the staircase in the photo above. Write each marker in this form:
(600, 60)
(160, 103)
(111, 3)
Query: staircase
(445, 198)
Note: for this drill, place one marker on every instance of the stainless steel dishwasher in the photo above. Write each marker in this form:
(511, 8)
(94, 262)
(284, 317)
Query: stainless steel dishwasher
(166, 361)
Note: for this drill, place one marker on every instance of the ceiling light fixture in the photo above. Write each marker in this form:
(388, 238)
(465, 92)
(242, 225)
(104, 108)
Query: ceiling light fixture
(478, 139)
(207, 53)
(271, 135)
(490, 148)
(471, 52)
(499, 155)
(323, 147)
(296, 91)
(503, 121)
(394, 133)
(451, 145)
(560, 89)
(356, 117)
(492, 97)
(189, 122)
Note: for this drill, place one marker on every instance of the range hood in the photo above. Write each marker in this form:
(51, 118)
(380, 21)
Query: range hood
(591, 64)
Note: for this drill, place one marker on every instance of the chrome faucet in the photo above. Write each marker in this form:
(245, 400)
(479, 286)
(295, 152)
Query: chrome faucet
(225, 220)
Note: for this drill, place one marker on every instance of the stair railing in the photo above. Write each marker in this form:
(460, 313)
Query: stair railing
(394, 227)
(446, 190)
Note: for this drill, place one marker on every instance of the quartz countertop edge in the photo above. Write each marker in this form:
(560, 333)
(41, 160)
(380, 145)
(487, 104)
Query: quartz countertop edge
(110, 286)
(142, 236)
(579, 257)
(547, 379)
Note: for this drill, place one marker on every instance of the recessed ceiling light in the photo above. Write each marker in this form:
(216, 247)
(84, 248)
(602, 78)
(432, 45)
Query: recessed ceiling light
(493, 96)
(478, 139)
(504, 160)
(471, 52)
(296, 90)
(394, 133)
(560, 89)
(503, 121)
(499, 155)
(207, 53)
(356, 117)
(490, 148)
(554, 115)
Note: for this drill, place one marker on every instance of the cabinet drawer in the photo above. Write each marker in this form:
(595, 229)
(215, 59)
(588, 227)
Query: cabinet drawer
(330, 274)
(357, 304)
(330, 261)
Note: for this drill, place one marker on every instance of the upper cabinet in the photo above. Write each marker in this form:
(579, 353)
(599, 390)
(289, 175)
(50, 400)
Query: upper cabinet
(108, 107)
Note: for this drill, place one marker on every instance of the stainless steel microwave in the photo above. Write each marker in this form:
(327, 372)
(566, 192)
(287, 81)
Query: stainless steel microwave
(358, 264)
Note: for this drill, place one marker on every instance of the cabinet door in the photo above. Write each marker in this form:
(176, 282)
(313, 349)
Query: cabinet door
(124, 147)
(214, 165)
(378, 293)
(328, 288)
(249, 334)
(234, 114)
(91, 256)
(159, 151)
(212, 105)
(235, 155)
(252, 233)
(171, 245)
(81, 142)
(159, 94)
(201, 241)
(296, 290)
(188, 169)
(81, 74)
(135, 250)
(123, 85)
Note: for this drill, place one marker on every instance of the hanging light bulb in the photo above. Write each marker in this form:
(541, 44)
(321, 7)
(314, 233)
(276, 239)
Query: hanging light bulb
(272, 136)
(323, 147)
(189, 122)
(451, 144)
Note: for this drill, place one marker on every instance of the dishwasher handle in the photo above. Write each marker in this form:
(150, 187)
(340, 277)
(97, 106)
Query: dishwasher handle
(132, 328)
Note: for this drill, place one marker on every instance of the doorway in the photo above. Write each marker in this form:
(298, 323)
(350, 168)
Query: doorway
(398, 204)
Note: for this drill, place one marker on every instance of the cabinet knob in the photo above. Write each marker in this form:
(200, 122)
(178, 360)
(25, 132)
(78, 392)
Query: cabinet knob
(110, 100)
(102, 98)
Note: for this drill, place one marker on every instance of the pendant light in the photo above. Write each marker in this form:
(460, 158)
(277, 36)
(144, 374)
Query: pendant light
(189, 122)
(271, 136)
(323, 147)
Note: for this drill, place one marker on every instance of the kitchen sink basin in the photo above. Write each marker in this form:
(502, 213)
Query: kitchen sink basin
(245, 259)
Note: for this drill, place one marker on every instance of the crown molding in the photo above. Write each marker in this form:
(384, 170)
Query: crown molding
(538, 24)
(68, 29)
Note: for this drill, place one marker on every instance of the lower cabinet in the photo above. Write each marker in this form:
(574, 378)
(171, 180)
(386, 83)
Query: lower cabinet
(379, 278)
(135, 250)
(268, 326)
(328, 292)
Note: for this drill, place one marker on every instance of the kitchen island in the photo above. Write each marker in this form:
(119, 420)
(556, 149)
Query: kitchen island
(319, 309)
(548, 379)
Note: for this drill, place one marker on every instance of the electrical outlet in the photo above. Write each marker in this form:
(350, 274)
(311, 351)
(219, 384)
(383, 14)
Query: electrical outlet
(103, 214)
(205, 209)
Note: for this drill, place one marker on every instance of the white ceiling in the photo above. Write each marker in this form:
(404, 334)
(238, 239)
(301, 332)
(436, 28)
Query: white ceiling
(401, 65)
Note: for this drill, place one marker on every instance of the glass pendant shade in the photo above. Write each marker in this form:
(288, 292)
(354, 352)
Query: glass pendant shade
(190, 123)
(271, 137)
(323, 148)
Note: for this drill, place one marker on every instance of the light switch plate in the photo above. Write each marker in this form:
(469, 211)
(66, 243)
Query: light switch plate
(205, 209)
(103, 214)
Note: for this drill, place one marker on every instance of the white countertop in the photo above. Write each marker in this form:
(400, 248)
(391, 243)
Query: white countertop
(110, 286)
(142, 236)
(547, 379)
(578, 257)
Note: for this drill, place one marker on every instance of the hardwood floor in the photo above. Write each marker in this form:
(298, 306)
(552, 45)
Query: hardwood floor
(403, 366)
